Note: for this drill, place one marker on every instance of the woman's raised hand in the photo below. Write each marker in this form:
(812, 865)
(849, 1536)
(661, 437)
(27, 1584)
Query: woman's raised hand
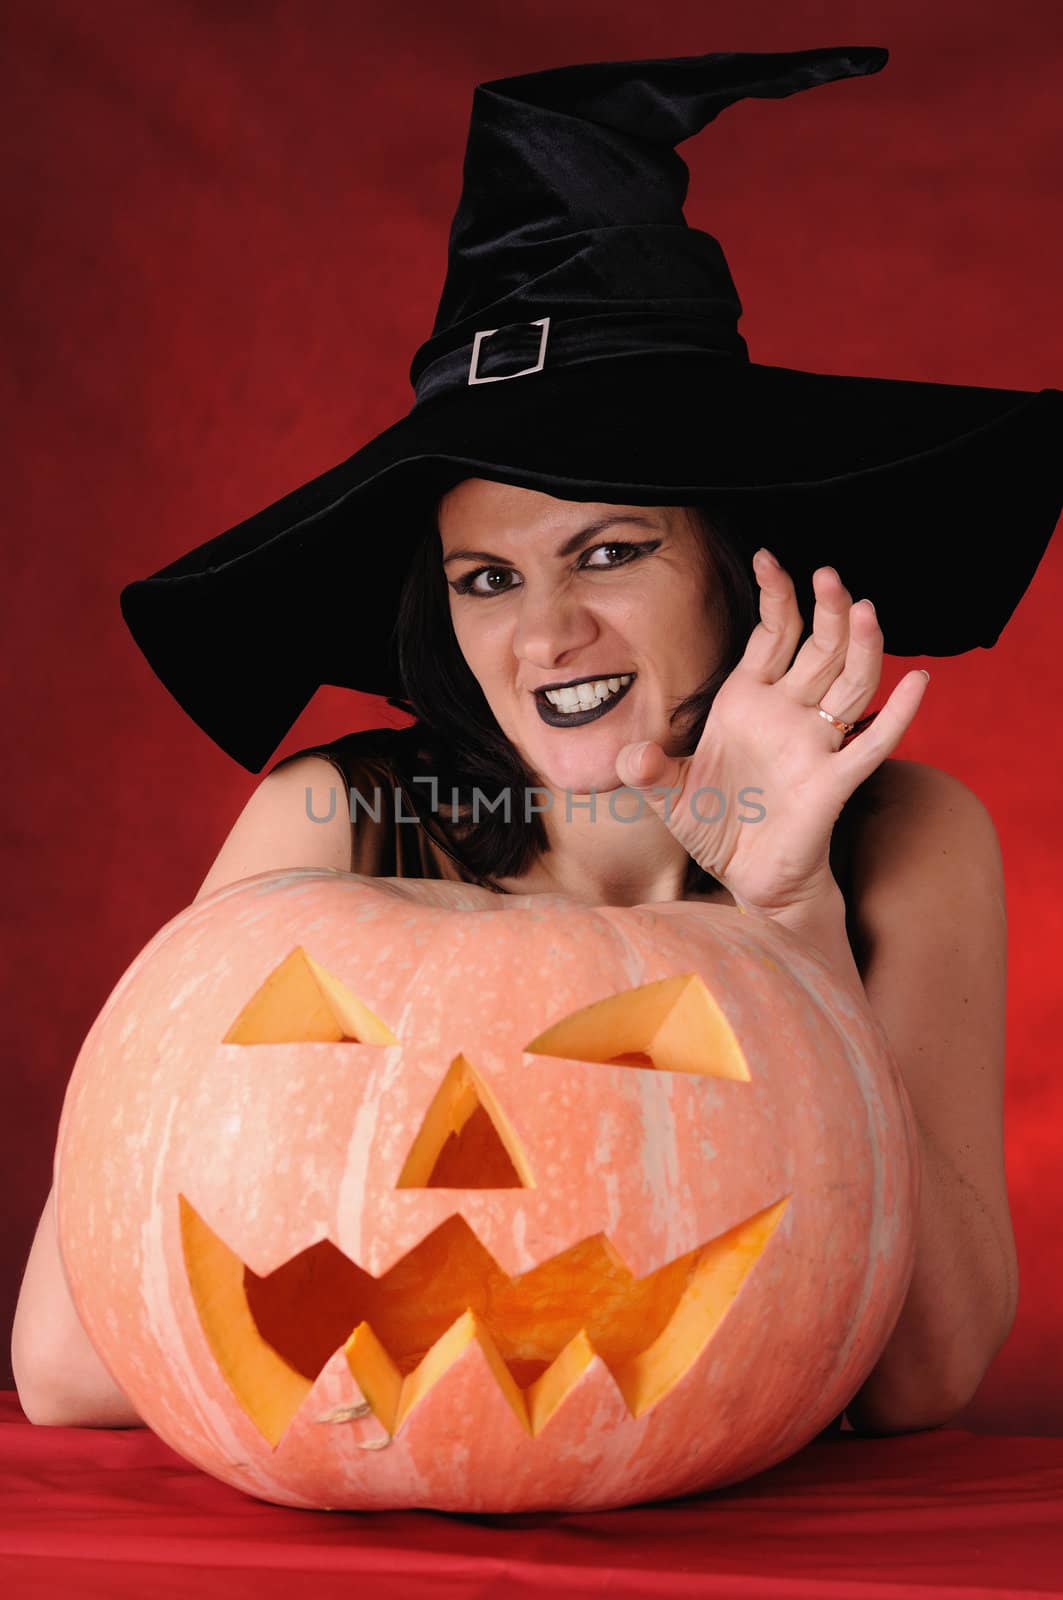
(763, 735)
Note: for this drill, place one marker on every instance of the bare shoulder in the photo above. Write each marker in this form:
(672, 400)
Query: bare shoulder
(920, 794)
(916, 784)
(297, 790)
(921, 831)
(290, 819)
(302, 769)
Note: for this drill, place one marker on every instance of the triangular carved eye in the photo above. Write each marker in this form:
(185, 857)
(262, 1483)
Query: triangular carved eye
(301, 1001)
(673, 1025)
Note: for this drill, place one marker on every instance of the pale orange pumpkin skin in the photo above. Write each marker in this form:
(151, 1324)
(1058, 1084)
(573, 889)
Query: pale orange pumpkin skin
(171, 1141)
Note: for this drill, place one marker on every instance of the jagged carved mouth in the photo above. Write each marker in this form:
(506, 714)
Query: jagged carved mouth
(271, 1336)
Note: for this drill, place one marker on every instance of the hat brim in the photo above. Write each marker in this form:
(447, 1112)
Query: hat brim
(937, 501)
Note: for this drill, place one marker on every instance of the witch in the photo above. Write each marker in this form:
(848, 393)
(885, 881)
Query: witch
(608, 565)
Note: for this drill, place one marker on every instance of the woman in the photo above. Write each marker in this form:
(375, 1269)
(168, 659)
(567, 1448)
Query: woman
(619, 488)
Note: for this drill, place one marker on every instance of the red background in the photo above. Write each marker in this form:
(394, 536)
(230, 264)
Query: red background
(225, 237)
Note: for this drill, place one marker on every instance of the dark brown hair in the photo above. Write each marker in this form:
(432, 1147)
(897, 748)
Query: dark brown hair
(461, 742)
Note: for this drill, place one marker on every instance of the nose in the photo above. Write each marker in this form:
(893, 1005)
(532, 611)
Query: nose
(551, 628)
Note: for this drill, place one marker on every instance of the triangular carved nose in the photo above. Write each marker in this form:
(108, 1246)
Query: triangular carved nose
(465, 1141)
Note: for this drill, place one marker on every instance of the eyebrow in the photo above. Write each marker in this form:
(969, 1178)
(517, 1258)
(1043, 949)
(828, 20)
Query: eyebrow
(570, 546)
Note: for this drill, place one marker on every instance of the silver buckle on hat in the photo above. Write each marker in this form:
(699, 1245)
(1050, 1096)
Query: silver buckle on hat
(500, 377)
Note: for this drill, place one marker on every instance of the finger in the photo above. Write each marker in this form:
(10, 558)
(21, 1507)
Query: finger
(859, 759)
(772, 643)
(639, 765)
(822, 657)
(658, 777)
(857, 679)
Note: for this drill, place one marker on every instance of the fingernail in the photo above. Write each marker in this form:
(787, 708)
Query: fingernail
(925, 673)
(767, 556)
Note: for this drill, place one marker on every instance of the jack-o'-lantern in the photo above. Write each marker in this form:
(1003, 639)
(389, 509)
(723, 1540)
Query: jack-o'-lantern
(379, 1193)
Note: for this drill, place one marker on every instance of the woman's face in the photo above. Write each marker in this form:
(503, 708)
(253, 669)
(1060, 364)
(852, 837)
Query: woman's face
(548, 592)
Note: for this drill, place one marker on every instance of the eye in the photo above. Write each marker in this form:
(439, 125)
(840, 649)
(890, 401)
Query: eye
(301, 1002)
(632, 552)
(464, 585)
(673, 1025)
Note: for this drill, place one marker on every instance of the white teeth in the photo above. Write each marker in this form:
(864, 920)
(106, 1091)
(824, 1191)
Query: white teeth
(583, 696)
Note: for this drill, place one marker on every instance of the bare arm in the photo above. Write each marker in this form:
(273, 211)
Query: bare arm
(936, 929)
(46, 1329)
(60, 1379)
(930, 902)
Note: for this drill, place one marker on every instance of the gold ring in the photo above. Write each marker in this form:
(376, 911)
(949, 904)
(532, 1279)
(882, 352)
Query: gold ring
(843, 727)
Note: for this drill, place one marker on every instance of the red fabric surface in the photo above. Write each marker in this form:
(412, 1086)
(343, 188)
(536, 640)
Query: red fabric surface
(111, 1513)
(226, 230)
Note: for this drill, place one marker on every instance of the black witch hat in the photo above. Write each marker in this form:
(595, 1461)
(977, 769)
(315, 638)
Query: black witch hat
(586, 345)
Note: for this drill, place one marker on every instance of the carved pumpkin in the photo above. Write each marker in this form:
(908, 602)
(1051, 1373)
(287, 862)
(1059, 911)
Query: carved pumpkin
(379, 1193)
